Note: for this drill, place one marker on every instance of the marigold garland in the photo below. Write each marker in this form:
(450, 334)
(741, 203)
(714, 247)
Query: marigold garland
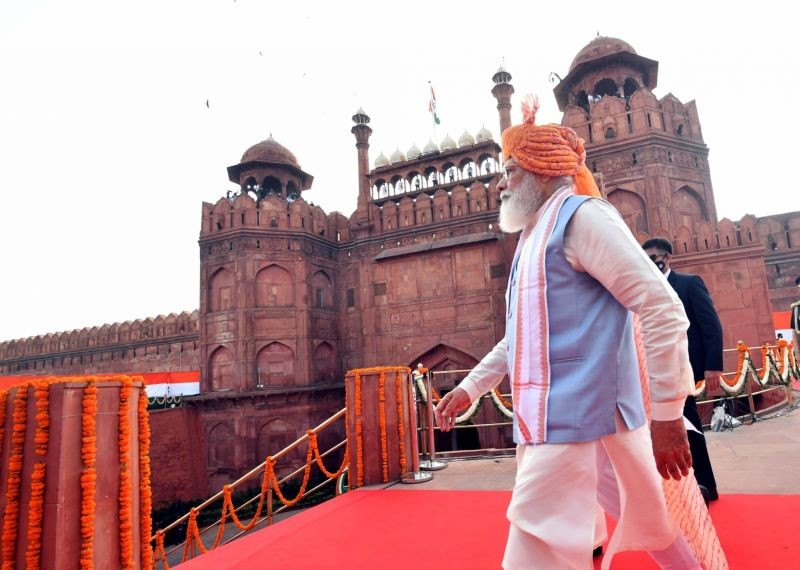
(357, 381)
(401, 430)
(36, 502)
(382, 425)
(273, 479)
(312, 441)
(89, 474)
(11, 511)
(160, 553)
(743, 350)
(192, 536)
(229, 507)
(125, 482)
(145, 493)
(359, 482)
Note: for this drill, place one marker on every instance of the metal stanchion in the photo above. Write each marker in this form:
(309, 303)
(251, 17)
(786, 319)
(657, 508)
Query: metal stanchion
(415, 475)
(431, 464)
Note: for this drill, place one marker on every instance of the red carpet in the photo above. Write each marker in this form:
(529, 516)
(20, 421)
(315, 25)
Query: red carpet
(400, 529)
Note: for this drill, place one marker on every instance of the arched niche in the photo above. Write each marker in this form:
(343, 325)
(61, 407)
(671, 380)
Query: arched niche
(221, 445)
(632, 209)
(275, 365)
(324, 363)
(274, 287)
(689, 207)
(273, 437)
(322, 290)
(220, 290)
(221, 373)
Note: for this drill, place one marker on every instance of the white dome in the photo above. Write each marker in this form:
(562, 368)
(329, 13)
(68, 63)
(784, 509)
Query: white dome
(381, 160)
(466, 139)
(397, 156)
(484, 135)
(430, 147)
(448, 143)
(413, 152)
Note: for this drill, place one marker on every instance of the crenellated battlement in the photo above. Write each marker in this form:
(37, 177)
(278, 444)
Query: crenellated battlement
(609, 118)
(108, 335)
(271, 213)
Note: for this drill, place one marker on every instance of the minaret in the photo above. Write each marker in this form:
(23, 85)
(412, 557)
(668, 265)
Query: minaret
(362, 131)
(502, 91)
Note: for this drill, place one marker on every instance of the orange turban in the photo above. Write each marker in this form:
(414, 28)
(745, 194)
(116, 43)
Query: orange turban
(548, 150)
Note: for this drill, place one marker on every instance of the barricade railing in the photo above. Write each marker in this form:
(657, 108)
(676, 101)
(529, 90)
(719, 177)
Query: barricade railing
(269, 493)
(423, 384)
(778, 371)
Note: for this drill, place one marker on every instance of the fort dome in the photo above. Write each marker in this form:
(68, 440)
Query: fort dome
(271, 151)
(599, 47)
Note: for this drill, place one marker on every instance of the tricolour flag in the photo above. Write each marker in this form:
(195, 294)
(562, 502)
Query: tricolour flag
(432, 106)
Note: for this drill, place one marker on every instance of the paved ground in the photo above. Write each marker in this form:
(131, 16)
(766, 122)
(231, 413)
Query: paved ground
(763, 457)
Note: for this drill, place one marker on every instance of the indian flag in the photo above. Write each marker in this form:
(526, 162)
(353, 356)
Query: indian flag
(432, 106)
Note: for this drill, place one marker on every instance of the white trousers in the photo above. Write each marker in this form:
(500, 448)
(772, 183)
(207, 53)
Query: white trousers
(553, 505)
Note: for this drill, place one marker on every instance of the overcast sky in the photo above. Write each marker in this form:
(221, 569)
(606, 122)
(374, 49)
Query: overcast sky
(107, 147)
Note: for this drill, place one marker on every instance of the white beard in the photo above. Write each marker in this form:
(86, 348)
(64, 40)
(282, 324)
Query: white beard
(518, 207)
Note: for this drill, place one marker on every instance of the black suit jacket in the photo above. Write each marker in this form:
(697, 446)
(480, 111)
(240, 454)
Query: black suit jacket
(705, 330)
(796, 317)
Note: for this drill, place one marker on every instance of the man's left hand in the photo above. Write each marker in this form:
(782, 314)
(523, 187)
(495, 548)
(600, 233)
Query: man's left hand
(671, 448)
(713, 378)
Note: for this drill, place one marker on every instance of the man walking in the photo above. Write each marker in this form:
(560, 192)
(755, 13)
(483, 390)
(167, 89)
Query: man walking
(577, 278)
(705, 352)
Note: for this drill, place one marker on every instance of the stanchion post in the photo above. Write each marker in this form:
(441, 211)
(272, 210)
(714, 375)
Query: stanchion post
(431, 464)
(415, 475)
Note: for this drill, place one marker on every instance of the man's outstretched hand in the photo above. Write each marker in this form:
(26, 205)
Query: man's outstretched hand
(455, 401)
(671, 448)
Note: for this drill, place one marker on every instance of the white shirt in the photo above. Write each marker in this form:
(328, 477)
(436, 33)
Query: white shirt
(598, 242)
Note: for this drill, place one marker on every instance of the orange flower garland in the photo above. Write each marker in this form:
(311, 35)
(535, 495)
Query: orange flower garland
(401, 431)
(11, 511)
(382, 424)
(502, 400)
(145, 494)
(359, 429)
(273, 480)
(312, 442)
(742, 348)
(160, 552)
(89, 475)
(125, 483)
(357, 374)
(36, 502)
(194, 533)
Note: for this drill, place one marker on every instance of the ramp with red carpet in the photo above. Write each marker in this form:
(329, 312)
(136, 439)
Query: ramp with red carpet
(399, 528)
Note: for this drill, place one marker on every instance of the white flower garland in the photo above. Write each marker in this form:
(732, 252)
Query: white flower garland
(500, 406)
(737, 386)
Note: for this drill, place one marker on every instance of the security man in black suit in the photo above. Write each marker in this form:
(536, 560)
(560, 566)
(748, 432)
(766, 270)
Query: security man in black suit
(705, 352)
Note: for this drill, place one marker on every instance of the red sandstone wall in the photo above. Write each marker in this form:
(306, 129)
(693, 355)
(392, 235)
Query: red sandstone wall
(160, 344)
(177, 452)
(738, 284)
